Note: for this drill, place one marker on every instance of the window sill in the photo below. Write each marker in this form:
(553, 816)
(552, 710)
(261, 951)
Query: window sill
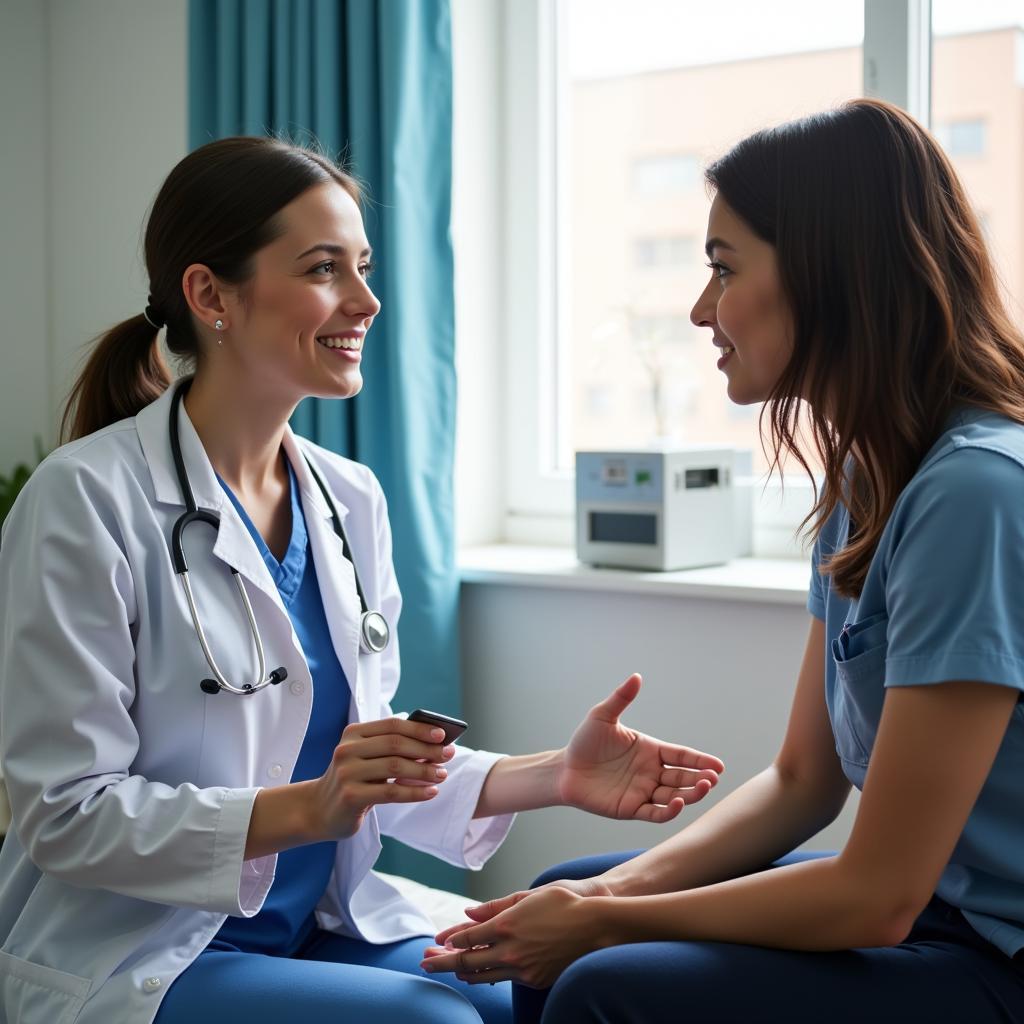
(765, 580)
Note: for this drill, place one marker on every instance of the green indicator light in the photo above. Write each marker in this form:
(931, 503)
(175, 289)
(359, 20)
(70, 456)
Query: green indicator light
(643, 476)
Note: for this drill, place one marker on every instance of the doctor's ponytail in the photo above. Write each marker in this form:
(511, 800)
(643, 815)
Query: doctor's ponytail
(217, 207)
(125, 372)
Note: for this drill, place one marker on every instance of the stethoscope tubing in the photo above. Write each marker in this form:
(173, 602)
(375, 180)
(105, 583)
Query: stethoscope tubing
(260, 654)
(374, 631)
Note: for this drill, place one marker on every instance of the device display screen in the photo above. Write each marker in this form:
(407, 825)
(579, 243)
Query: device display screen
(624, 527)
(701, 478)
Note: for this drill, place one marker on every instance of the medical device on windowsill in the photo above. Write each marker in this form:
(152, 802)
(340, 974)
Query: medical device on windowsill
(679, 508)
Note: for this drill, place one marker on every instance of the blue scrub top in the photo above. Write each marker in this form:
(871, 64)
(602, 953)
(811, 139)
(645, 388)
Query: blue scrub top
(286, 918)
(943, 601)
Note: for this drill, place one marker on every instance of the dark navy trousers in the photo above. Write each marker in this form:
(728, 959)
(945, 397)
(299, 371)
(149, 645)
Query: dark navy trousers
(943, 972)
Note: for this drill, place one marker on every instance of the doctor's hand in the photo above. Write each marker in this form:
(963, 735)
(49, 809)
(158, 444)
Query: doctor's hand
(617, 772)
(384, 762)
(388, 761)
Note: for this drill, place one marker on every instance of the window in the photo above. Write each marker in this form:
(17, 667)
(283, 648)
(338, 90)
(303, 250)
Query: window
(623, 98)
(611, 112)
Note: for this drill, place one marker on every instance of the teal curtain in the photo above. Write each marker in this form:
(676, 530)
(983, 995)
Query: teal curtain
(371, 81)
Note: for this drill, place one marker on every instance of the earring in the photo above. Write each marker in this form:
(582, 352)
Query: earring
(219, 325)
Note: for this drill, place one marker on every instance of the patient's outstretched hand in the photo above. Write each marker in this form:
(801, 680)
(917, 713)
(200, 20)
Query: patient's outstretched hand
(614, 771)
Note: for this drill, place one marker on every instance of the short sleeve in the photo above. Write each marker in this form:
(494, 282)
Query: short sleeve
(954, 581)
(824, 547)
(816, 588)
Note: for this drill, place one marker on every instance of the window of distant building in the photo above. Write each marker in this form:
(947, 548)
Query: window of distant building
(962, 138)
(673, 251)
(674, 172)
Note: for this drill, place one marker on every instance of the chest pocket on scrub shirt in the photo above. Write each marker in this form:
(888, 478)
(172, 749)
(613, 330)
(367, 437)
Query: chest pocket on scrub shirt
(859, 654)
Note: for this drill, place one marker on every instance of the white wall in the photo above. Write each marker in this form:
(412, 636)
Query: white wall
(118, 123)
(25, 408)
(718, 676)
(93, 112)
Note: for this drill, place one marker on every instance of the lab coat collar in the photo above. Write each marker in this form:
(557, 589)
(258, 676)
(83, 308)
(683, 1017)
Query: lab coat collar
(152, 424)
(335, 574)
(233, 545)
(312, 497)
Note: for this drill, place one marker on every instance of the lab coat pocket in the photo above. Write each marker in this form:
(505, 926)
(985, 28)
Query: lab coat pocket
(33, 994)
(859, 653)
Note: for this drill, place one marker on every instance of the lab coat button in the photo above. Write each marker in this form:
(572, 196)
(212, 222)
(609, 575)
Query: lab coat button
(151, 984)
(274, 771)
(297, 688)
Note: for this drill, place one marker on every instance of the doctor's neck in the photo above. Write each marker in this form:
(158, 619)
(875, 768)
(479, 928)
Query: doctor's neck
(241, 423)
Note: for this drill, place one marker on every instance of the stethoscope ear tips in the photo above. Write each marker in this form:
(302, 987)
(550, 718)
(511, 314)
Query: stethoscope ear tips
(210, 686)
(279, 675)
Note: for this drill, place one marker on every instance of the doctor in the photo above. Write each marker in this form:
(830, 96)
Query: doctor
(182, 848)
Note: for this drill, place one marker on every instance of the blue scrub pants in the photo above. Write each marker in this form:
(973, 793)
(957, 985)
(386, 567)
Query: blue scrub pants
(331, 980)
(943, 972)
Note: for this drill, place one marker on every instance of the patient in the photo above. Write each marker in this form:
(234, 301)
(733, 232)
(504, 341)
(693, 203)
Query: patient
(850, 290)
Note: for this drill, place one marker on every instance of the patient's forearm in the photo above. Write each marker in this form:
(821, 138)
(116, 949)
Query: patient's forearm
(815, 905)
(764, 819)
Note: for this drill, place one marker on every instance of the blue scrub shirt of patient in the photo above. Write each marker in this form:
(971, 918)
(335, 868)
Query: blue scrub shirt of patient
(943, 601)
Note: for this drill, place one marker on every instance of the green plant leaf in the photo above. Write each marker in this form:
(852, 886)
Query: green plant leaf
(10, 487)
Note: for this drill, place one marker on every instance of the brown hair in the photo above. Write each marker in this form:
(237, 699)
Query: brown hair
(896, 308)
(218, 207)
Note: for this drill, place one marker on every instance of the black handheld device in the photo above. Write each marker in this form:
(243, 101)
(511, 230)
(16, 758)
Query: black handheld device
(453, 727)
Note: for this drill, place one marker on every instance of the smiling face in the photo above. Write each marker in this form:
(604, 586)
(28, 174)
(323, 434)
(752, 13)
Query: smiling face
(300, 323)
(744, 306)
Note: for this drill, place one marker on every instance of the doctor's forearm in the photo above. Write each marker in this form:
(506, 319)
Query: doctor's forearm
(522, 783)
(282, 817)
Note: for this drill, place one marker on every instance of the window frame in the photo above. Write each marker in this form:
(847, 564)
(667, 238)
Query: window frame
(539, 499)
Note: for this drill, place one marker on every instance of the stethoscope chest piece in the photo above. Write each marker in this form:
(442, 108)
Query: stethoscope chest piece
(374, 633)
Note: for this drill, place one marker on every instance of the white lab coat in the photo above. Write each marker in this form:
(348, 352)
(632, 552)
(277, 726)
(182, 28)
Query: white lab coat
(131, 789)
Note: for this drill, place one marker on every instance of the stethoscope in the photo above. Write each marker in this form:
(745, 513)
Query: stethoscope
(374, 633)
